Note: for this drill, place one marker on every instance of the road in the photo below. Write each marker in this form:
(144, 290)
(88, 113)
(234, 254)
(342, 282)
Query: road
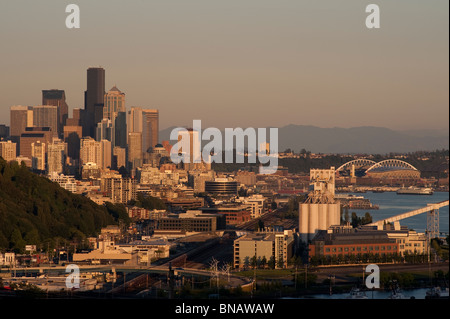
(343, 272)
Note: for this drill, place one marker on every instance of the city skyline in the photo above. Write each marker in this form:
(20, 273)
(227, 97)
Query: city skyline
(239, 64)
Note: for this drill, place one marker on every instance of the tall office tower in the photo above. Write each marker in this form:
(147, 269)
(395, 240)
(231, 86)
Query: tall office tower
(119, 157)
(21, 117)
(38, 152)
(114, 103)
(150, 129)
(106, 153)
(120, 130)
(8, 150)
(56, 156)
(145, 121)
(32, 135)
(47, 116)
(72, 136)
(105, 130)
(93, 100)
(135, 157)
(75, 120)
(4, 131)
(57, 98)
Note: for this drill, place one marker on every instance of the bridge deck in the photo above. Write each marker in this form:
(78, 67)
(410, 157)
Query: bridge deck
(429, 207)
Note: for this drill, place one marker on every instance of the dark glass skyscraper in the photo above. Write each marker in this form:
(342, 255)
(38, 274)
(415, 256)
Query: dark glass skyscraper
(57, 98)
(93, 100)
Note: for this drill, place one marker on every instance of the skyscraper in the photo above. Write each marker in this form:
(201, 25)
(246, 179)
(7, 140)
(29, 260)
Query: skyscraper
(135, 149)
(38, 155)
(150, 129)
(47, 116)
(55, 156)
(32, 135)
(92, 151)
(114, 103)
(120, 130)
(145, 121)
(93, 100)
(8, 150)
(57, 98)
(21, 117)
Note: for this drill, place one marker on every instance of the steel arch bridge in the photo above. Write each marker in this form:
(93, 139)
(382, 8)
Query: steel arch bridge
(392, 164)
(360, 162)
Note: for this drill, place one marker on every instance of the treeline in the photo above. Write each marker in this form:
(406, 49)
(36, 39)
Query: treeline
(37, 211)
(429, 163)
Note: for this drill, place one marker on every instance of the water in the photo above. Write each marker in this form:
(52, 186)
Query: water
(378, 294)
(392, 204)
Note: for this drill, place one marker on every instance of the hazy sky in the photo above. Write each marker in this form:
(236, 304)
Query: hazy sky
(237, 63)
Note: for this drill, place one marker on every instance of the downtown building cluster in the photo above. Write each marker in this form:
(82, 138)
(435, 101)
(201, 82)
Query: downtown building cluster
(111, 154)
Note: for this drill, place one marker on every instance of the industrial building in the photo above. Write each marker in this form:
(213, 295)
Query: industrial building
(320, 210)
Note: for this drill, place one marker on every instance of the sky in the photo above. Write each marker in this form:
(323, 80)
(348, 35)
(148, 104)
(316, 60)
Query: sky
(237, 63)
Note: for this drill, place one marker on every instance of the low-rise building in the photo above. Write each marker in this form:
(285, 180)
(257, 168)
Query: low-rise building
(264, 246)
(192, 221)
(8, 259)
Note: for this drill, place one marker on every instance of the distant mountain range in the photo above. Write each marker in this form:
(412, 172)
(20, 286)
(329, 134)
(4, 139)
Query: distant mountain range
(364, 139)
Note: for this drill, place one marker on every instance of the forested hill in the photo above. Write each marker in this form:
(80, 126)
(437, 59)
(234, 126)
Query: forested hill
(34, 210)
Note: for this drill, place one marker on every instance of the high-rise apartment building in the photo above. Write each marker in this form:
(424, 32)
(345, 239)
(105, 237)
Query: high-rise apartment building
(57, 98)
(8, 150)
(90, 151)
(38, 155)
(47, 116)
(118, 189)
(93, 100)
(56, 156)
(98, 152)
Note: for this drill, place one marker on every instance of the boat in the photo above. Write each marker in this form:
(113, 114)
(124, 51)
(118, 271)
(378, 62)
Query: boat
(396, 292)
(437, 293)
(356, 293)
(415, 191)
